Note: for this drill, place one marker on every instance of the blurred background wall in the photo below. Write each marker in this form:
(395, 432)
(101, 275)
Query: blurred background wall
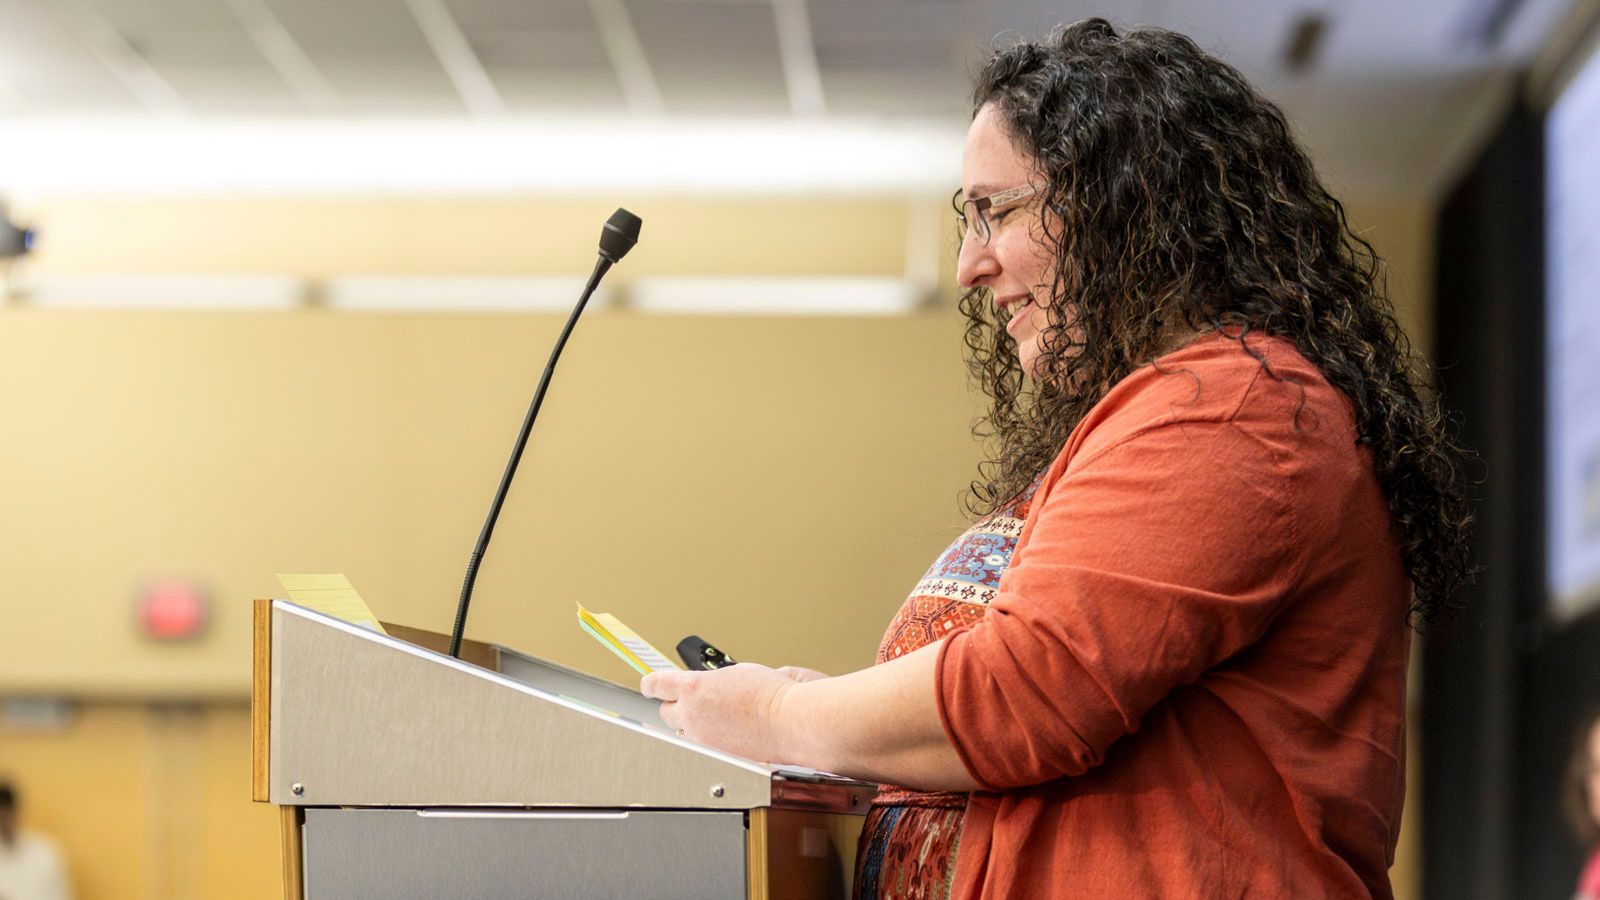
(190, 401)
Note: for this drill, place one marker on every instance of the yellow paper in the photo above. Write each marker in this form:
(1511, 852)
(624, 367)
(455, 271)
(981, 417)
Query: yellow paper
(331, 595)
(621, 640)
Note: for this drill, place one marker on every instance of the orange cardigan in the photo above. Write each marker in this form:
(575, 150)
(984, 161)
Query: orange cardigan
(1192, 681)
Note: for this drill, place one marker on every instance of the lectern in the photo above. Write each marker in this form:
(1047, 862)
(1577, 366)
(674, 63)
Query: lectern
(403, 772)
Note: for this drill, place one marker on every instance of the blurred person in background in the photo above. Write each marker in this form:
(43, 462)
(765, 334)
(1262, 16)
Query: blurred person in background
(1581, 800)
(31, 867)
(1170, 658)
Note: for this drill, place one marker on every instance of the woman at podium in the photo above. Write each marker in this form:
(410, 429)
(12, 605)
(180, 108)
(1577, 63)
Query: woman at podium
(1169, 659)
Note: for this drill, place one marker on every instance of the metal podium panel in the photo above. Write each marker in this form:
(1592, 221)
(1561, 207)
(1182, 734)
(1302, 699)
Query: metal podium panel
(362, 719)
(585, 688)
(481, 855)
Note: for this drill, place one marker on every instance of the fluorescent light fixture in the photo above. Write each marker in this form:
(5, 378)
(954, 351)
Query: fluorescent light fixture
(576, 157)
(372, 293)
(776, 296)
(164, 292)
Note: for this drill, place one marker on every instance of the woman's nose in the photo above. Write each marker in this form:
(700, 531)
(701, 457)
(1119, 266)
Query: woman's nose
(974, 262)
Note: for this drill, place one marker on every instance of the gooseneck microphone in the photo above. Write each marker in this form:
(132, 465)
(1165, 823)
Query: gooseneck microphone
(620, 233)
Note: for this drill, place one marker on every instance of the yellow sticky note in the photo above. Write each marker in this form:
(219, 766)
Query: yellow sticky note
(621, 640)
(331, 595)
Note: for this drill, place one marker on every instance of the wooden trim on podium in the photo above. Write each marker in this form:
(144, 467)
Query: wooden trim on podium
(291, 818)
(755, 855)
(260, 699)
(475, 652)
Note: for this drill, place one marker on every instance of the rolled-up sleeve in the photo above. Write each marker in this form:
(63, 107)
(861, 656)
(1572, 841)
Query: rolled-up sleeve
(1146, 563)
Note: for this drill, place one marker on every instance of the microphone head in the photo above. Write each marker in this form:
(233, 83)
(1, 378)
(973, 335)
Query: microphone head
(620, 233)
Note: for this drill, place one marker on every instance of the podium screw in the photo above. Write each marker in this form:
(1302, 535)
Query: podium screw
(297, 789)
(717, 790)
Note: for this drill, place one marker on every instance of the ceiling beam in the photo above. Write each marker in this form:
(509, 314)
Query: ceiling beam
(798, 52)
(284, 53)
(638, 82)
(125, 62)
(459, 60)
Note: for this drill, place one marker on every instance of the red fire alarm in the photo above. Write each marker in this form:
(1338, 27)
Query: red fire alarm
(172, 611)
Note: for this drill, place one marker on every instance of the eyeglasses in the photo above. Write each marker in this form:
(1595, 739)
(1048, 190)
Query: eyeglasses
(977, 218)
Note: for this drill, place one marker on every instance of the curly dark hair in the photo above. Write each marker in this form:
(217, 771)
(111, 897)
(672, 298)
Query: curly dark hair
(1177, 199)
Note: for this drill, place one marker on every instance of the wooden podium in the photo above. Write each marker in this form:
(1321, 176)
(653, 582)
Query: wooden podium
(401, 772)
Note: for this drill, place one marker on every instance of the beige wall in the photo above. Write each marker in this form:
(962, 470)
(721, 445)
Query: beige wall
(150, 802)
(480, 236)
(679, 462)
(775, 485)
(1401, 229)
(688, 474)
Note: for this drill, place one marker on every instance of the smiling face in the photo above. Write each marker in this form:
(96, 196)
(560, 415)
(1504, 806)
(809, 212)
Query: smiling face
(1015, 265)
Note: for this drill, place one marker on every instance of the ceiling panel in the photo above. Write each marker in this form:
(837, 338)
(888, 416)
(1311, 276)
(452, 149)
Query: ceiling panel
(372, 53)
(136, 19)
(713, 58)
(898, 58)
(898, 94)
(478, 16)
(568, 91)
(48, 67)
(557, 49)
(878, 20)
(910, 54)
(232, 91)
(218, 49)
(354, 31)
(1250, 35)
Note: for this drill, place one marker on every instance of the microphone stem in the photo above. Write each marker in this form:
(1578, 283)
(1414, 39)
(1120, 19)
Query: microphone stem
(601, 267)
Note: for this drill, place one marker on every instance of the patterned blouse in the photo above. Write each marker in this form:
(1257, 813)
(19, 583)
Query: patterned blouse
(908, 844)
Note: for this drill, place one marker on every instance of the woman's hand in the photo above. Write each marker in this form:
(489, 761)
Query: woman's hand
(880, 724)
(734, 709)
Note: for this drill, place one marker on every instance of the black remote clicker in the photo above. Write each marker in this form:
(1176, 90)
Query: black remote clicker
(701, 656)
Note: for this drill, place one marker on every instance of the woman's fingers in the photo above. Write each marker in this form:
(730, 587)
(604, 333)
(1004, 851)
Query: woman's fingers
(663, 685)
(666, 687)
(669, 715)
